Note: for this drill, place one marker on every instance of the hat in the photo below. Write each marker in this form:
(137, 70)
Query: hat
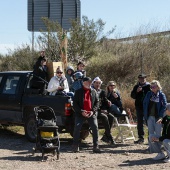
(78, 75)
(44, 59)
(142, 75)
(97, 79)
(59, 69)
(168, 106)
(80, 62)
(86, 79)
(69, 68)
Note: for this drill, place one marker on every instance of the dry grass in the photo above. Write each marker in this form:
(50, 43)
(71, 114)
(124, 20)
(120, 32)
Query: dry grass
(123, 61)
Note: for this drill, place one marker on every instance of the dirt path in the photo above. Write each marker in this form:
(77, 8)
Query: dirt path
(15, 153)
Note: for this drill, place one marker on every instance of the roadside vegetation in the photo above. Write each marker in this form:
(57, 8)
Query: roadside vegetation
(111, 59)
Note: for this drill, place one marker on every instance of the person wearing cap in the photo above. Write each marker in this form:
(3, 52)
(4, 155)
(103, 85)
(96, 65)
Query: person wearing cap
(154, 107)
(58, 83)
(80, 68)
(85, 104)
(39, 75)
(77, 84)
(106, 118)
(138, 93)
(69, 76)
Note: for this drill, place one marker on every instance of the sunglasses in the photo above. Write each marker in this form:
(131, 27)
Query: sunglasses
(112, 85)
(59, 72)
(153, 87)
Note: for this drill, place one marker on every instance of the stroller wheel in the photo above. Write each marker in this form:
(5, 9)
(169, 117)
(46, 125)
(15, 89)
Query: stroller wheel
(33, 151)
(43, 156)
(54, 152)
(58, 156)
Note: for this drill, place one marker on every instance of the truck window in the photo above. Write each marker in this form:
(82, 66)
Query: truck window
(11, 85)
(0, 78)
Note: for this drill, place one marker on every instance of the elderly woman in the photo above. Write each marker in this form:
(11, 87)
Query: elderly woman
(154, 106)
(58, 84)
(113, 96)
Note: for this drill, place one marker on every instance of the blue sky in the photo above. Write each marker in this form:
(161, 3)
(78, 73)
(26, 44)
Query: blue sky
(128, 16)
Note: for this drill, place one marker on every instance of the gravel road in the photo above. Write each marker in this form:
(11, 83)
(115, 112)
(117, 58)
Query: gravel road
(15, 153)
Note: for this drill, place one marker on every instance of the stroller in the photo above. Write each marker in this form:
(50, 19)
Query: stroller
(47, 139)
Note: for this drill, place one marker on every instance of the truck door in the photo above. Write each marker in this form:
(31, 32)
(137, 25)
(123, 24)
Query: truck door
(10, 109)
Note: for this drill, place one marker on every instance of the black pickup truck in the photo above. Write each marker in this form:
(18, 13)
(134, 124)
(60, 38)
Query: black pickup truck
(17, 102)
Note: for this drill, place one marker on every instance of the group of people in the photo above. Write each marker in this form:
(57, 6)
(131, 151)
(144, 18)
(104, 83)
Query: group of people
(91, 102)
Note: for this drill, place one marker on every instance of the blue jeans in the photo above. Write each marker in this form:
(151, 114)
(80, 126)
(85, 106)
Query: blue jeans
(166, 144)
(79, 120)
(154, 129)
(71, 94)
(114, 110)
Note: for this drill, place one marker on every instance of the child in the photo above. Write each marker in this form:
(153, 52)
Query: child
(80, 68)
(69, 76)
(165, 138)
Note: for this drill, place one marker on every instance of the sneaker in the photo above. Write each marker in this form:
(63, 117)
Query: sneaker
(139, 141)
(159, 156)
(75, 148)
(147, 151)
(96, 149)
(167, 160)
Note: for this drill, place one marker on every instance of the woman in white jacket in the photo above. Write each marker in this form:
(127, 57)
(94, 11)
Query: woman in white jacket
(58, 83)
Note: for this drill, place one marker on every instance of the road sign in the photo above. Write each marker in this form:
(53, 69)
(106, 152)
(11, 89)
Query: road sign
(56, 10)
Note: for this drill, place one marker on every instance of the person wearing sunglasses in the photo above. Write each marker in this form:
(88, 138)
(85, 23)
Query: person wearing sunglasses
(113, 96)
(138, 93)
(58, 83)
(154, 105)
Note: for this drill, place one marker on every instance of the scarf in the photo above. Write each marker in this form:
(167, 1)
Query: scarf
(155, 97)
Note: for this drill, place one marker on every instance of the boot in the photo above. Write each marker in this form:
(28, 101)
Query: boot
(75, 148)
(105, 138)
(96, 149)
(111, 140)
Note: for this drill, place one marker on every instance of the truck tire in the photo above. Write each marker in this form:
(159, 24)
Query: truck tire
(30, 128)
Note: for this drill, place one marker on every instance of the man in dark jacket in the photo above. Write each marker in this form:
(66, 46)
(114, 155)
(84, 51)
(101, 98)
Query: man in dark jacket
(138, 93)
(85, 104)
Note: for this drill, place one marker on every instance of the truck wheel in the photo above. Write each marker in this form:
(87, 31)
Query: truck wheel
(30, 128)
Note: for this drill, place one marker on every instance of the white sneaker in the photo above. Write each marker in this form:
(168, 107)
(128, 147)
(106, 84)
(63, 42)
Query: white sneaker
(159, 156)
(167, 160)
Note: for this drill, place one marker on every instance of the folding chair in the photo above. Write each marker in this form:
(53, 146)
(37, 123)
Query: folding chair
(123, 128)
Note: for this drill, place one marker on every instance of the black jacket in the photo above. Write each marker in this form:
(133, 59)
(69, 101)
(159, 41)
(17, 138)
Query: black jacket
(103, 101)
(139, 96)
(78, 101)
(116, 101)
(166, 129)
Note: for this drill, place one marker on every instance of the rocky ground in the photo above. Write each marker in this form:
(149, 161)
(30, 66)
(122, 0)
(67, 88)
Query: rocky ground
(15, 153)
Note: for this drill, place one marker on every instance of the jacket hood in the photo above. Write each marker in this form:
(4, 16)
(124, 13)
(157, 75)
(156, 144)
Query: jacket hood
(69, 68)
